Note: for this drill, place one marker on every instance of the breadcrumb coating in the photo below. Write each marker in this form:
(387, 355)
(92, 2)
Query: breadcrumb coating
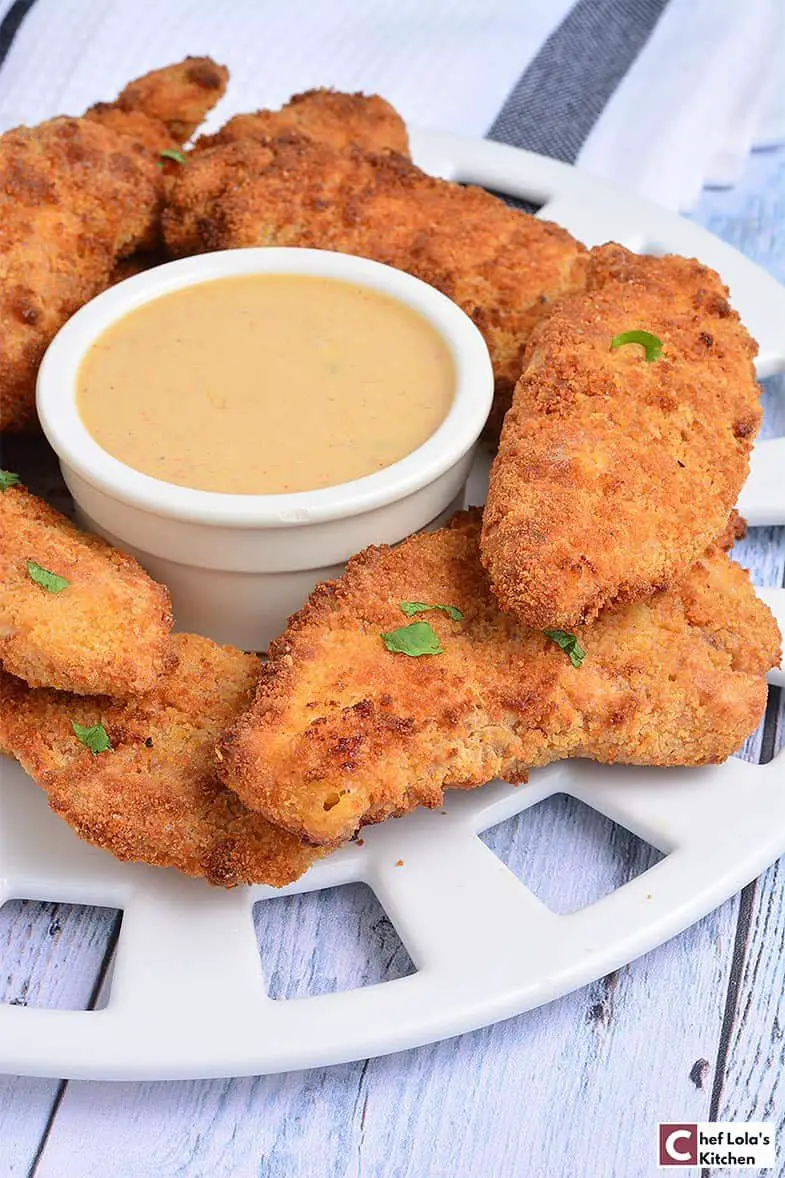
(614, 472)
(340, 120)
(343, 732)
(107, 632)
(76, 196)
(154, 797)
(176, 96)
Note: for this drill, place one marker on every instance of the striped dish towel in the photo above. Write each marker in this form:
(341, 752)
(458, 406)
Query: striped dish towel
(660, 95)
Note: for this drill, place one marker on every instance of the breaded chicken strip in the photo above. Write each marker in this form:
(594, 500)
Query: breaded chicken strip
(502, 266)
(340, 120)
(105, 631)
(344, 732)
(77, 195)
(614, 472)
(154, 796)
(74, 197)
(176, 97)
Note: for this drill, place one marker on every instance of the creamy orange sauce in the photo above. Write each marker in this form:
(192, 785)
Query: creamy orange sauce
(266, 384)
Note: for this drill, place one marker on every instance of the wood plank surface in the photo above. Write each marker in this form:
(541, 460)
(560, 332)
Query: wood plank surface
(524, 1089)
(26, 1109)
(52, 955)
(693, 1029)
(752, 1086)
(748, 1082)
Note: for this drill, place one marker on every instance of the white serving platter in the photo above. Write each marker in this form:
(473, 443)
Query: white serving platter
(188, 998)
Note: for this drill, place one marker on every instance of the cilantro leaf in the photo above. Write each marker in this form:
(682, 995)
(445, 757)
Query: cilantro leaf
(569, 644)
(414, 640)
(419, 607)
(169, 153)
(651, 344)
(49, 581)
(8, 479)
(94, 738)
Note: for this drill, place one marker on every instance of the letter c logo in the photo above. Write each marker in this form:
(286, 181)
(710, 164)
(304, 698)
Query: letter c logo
(678, 1155)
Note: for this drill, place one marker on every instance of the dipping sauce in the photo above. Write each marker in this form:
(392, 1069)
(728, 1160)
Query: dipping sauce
(266, 384)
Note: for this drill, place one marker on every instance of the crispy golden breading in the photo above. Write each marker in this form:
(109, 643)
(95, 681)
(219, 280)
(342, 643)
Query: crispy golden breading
(343, 732)
(74, 196)
(614, 473)
(77, 195)
(503, 267)
(340, 120)
(154, 798)
(176, 98)
(106, 633)
(147, 133)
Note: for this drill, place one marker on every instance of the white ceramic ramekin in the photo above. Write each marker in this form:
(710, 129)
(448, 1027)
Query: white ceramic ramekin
(238, 565)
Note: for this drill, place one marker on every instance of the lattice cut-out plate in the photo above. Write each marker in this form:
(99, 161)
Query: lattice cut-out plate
(188, 998)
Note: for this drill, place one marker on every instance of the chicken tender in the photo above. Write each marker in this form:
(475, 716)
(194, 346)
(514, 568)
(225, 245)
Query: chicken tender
(154, 797)
(340, 120)
(343, 731)
(105, 630)
(176, 98)
(502, 266)
(615, 471)
(76, 196)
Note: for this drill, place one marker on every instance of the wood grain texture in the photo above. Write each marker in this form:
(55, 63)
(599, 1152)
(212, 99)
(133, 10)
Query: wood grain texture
(604, 1063)
(40, 946)
(514, 1097)
(26, 1108)
(437, 1109)
(749, 1081)
(753, 1085)
(561, 830)
(52, 955)
(351, 942)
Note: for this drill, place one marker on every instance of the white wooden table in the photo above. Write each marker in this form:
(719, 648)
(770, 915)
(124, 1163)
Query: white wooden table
(693, 1031)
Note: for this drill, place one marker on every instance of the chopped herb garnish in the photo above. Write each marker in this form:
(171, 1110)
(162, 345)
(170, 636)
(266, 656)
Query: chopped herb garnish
(414, 640)
(94, 738)
(169, 153)
(8, 479)
(419, 607)
(47, 580)
(569, 644)
(651, 344)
